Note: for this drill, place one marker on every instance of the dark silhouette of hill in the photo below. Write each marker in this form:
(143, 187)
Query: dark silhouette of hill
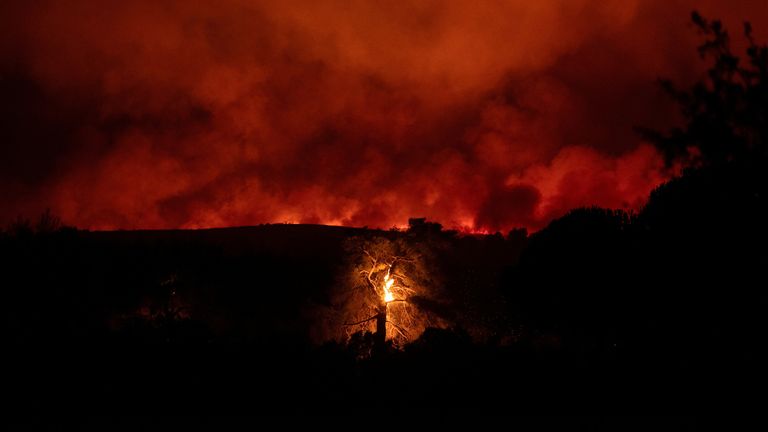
(246, 283)
(87, 278)
(214, 311)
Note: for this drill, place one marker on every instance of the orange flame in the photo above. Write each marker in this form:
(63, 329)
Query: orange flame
(388, 282)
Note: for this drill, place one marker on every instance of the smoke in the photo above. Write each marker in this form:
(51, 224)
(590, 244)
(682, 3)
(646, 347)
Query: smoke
(167, 114)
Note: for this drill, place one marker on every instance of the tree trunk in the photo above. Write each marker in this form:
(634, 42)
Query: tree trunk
(381, 329)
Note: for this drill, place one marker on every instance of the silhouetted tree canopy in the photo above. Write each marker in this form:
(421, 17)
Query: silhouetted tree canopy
(726, 116)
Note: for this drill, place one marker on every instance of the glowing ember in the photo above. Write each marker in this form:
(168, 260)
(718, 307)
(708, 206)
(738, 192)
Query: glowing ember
(388, 282)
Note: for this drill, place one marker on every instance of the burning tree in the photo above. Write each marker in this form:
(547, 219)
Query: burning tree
(384, 289)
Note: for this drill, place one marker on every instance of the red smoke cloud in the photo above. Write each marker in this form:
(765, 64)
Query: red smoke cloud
(197, 114)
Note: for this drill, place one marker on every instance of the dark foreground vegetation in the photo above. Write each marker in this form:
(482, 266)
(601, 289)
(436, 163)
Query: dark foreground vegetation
(666, 306)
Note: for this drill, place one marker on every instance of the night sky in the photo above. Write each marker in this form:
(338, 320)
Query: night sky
(480, 115)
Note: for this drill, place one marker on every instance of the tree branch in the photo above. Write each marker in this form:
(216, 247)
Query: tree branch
(361, 322)
(400, 330)
(397, 258)
(373, 260)
(404, 288)
(372, 284)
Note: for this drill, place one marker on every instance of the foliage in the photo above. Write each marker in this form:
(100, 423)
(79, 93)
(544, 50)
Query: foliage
(726, 116)
(47, 223)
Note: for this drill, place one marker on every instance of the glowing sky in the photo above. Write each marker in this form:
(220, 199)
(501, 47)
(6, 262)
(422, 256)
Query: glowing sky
(487, 115)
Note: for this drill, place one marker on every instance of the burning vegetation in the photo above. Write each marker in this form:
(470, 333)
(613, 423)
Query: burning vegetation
(385, 284)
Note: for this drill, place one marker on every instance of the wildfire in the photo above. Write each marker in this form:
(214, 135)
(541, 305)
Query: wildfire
(388, 282)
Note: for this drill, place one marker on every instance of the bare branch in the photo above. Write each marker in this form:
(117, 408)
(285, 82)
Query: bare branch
(361, 322)
(397, 258)
(403, 288)
(404, 280)
(373, 260)
(399, 329)
(368, 274)
(372, 284)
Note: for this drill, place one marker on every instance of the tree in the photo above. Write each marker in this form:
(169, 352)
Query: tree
(726, 115)
(384, 284)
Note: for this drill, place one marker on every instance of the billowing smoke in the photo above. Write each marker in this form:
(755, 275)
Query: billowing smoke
(484, 115)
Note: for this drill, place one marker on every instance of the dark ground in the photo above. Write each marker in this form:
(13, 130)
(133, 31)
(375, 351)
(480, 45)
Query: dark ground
(603, 311)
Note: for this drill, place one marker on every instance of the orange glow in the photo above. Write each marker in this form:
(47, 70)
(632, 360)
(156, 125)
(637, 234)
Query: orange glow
(388, 282)
(180, 114)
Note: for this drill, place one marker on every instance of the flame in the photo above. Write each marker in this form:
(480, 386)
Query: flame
(388, 282)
